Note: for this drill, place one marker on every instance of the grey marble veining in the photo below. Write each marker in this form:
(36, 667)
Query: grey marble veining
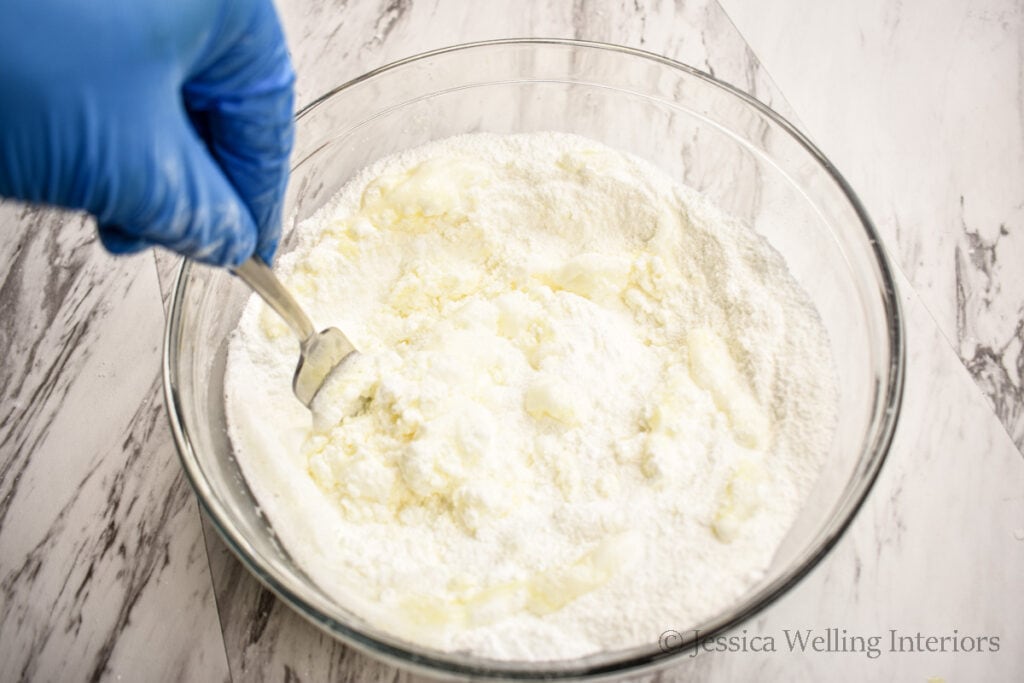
(921, 105)
(267, 641)
(334, 41)
(167, 264)
(103, 569)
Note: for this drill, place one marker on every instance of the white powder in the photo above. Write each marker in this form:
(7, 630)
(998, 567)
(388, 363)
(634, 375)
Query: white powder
(587, 408)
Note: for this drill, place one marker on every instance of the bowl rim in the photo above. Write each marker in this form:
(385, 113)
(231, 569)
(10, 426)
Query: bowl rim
(454, 664)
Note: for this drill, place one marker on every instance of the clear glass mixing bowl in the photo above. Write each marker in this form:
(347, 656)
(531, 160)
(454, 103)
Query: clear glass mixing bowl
(741, 155)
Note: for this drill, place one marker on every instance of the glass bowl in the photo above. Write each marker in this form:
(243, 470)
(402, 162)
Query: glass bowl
(741, 155)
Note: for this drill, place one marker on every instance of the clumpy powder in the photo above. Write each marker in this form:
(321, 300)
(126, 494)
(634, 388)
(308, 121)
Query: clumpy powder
(587, 408)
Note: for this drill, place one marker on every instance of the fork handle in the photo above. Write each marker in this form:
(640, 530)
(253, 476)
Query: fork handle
(258, 275)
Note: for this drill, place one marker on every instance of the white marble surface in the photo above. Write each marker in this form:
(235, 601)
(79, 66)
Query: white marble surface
(104, 572)
(921, 105)
(103, 565)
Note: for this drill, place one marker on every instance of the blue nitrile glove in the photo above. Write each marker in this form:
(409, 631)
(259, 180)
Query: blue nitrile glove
(169, 120)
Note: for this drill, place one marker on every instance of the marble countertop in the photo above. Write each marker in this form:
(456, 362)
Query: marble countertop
(108, 569)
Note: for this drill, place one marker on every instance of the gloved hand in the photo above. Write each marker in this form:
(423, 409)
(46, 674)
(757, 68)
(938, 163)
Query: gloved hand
(169, 120)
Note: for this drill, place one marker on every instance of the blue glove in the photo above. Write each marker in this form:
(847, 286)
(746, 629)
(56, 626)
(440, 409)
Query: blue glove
(168, 120)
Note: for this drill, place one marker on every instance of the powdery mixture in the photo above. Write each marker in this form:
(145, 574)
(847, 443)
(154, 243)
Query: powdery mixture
(588, 405)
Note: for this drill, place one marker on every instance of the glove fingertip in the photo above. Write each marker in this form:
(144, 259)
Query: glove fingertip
(236, 243)
(267, 250)
(118, 241)
(203, 217)
(269, 233)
